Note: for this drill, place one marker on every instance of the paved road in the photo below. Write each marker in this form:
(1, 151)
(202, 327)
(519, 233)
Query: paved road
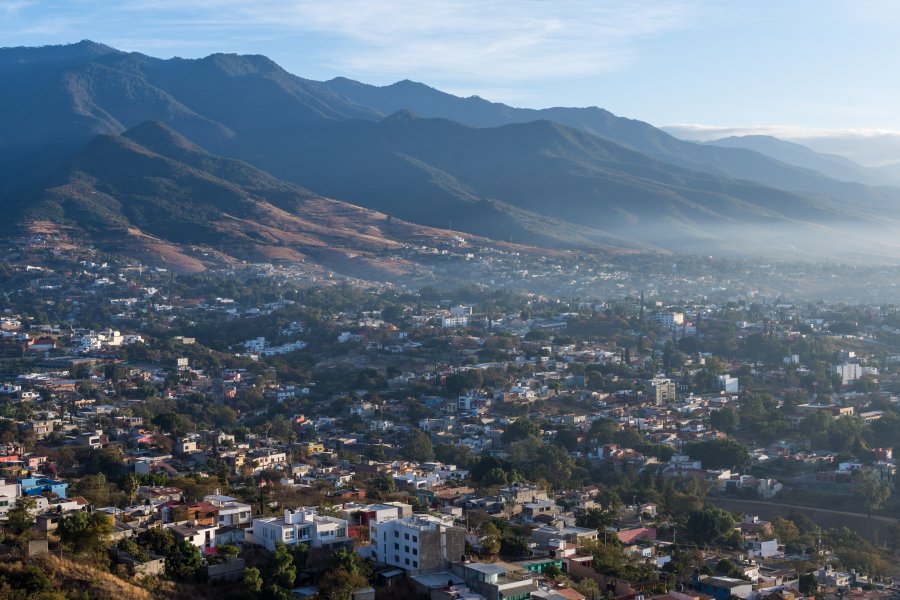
(872, 529)
(801, 508)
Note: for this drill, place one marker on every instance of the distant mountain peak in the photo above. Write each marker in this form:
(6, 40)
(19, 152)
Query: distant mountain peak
(409, 83)
(242, 64)
(94, 46)
(60, 53)
(402, 116)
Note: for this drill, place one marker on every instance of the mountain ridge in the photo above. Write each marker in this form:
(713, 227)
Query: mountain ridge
(258, 135)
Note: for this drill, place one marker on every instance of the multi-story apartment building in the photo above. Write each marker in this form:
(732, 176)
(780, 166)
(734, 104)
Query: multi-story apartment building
(416, 544)
(661, 390)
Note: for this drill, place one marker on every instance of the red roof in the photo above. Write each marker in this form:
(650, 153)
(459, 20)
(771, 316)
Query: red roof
(629, 536)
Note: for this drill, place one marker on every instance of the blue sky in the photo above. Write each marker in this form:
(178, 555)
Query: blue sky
(808, 65)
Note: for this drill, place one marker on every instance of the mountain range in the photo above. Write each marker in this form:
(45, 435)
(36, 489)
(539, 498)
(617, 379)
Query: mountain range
(235, 155)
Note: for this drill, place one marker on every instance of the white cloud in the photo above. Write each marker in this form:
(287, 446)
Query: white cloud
(11, 7)
(469, 41)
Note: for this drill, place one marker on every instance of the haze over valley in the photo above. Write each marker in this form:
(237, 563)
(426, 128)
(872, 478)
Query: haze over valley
(228, 152)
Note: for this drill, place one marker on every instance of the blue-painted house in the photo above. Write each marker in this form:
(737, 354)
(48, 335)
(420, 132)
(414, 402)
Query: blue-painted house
(36, 486)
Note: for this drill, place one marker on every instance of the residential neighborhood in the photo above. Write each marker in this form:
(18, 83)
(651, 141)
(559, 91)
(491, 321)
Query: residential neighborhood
(250, 436)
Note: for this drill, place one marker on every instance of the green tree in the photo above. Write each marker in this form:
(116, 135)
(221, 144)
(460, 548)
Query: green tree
(418, 446)
(183, 561)
(628, 437)
(21, 518)
(85, 532)
(227, 551)
(719, 454)
(567, 439)
(464, 381)
(282, 571)
(872, 489)
(726, 420)
(709, 525)
(252, 583)
(815, 426)
(683, 563)
(380, 485)
(339, 584)
(173, 423)
(588, 588)
(514, 546)
(603, 430)
(135, 550)
(808, 585)
(347, 572)
(520, 429)
(594, 518)
(490, 542)
(552, 572)
(160, 541)
(608, 557)
(454, 454)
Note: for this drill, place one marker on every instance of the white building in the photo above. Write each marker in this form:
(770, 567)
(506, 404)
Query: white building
(415, 543)
(267, 459)
(300, 526)
(452, 322)
(850, 372)
(757, 548)
(9, 493)
(255, 345)
(728, 384)
(668, 319)
(283, 349)
(661, 390)
(232, 512)
(200, 536)
(461, 311)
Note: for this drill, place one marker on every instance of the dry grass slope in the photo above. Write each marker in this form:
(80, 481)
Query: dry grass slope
(75, 579)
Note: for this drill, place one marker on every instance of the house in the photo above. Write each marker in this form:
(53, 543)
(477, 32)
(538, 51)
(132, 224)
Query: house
(198, 513)
(232, 512)
(520, 493)
(300, 526)
(761, 548)
(722, 588)
(9, 493)
(415, 544)
(202, 536)
(531, 510)
(828, 576)
(185, 445)
(92, 439)
(36, 486)
(560, 531)
(160, 494)
(496, 581)
(266, 459)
